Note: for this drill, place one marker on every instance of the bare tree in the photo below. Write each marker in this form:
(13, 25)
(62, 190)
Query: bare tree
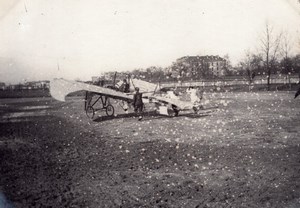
(247, 66)
(285, 52)
(285, 48)
(270, 47)
(250, 65)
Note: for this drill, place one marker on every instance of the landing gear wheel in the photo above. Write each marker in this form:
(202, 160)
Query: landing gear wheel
(195, 110)
(90, 112)
(110, 110)
(176, 110)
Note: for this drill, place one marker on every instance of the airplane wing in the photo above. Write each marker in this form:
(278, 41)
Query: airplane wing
(145, 87)
(148, 88)
(184, 105)
(60, 88)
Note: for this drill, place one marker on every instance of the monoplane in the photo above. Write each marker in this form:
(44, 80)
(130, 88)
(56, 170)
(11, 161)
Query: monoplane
(165, 103)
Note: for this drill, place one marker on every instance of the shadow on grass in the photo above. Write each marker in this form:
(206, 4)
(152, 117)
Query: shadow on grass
(150, 115)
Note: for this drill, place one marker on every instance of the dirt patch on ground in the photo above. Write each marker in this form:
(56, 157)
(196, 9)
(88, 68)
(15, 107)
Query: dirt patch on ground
(245, 153)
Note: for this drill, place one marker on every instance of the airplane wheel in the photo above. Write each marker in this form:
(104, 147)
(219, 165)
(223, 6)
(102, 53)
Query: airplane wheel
(176, 110)
(110, 110)
(90, 112)
(195, 110)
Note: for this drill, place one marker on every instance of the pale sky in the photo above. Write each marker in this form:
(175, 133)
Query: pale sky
(87, 37)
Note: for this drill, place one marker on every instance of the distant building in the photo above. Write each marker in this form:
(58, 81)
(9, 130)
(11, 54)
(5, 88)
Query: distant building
(13, 87)
(95, 79)
(2, 86)
(203, 65)
(45, 84)
(98, 80)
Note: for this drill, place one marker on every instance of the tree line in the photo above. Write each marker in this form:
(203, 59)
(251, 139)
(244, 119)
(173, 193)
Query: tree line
(272, 56)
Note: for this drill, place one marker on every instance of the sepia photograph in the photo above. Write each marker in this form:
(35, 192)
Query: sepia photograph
(150, 103)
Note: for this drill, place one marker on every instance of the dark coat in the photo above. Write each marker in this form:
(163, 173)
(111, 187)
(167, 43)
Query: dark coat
(124, 87)
(137, 99)
(297, 93)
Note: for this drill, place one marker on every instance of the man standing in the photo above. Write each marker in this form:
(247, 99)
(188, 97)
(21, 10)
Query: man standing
(298, 92)
(138, 103)
(125, 86)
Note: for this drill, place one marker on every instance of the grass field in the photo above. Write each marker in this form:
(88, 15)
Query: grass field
(241, 151)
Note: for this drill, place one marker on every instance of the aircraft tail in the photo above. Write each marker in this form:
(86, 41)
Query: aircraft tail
(59, 89)
(143, 85)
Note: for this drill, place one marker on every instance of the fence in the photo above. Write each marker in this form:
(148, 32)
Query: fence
(259, 80)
